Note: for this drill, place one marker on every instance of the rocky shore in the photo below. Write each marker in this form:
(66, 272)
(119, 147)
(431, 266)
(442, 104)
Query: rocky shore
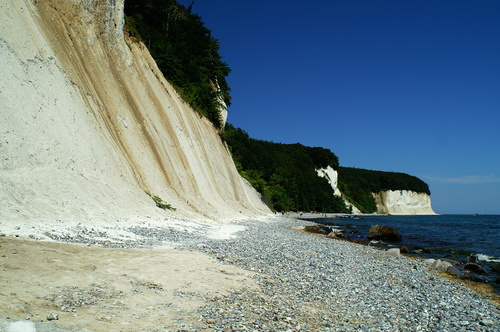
(269, 276)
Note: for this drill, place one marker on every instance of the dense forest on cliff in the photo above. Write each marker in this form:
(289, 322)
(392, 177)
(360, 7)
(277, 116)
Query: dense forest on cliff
(285, 174)
(185, 52)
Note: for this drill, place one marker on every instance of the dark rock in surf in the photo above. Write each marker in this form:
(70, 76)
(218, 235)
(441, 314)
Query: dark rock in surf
(474, 268)
(336, 235)
(385, 233)
(362, 242)
(404, 250)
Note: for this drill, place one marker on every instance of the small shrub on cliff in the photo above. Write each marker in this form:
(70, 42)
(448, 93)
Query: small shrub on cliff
(160, 203)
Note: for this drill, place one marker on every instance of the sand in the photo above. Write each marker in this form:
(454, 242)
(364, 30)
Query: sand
(105, 289)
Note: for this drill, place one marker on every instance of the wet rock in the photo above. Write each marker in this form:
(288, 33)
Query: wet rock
(421, 250)
(318, 229)
(404, 250)
(362, 242)
(496, 268)
(474, 268)
(385, 233)
(336, 235)
(471, 259)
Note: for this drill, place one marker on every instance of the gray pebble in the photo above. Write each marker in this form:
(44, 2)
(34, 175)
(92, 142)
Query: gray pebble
(53, 316)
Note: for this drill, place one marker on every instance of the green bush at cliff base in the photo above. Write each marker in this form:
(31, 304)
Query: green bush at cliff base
(185, 51)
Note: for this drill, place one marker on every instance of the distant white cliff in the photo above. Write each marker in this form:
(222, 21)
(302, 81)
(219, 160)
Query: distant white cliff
(333, 178)
(402, 202)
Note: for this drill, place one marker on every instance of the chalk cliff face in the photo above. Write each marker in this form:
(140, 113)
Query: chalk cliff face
(388, 202)
(333, 178)
(403, 202)
(88, 124)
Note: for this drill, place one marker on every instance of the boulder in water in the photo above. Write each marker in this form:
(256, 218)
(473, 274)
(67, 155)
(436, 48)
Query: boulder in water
(385, 233)
(404, 250)
(474, 268)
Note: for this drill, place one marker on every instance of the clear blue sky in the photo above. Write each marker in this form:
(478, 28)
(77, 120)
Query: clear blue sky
(404, 86)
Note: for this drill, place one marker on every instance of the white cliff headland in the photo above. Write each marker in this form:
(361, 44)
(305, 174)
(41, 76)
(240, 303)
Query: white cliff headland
(402, 202)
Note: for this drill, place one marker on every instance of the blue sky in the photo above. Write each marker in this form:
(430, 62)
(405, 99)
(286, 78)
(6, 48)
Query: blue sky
(404, 86)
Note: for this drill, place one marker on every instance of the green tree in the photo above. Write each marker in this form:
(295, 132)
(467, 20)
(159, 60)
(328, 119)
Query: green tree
(185, 52)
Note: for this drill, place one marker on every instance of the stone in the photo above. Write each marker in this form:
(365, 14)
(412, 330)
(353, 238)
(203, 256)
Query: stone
(497, 281)
(336, 235)
(404, 250)
(385, 233)
(487, 322)
(451, 261)
(421, 250)
(496, 268)
(318, 229)
(453, 271)
(394, 252)
(53, 316)
(362, 242)
(471, 259)
(440, 265)
(429, 261)
(474, 268)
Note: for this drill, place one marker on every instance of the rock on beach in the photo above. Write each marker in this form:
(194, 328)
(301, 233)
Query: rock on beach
(385, 233)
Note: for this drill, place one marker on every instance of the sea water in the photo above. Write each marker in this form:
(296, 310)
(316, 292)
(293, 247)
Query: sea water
(441, 235)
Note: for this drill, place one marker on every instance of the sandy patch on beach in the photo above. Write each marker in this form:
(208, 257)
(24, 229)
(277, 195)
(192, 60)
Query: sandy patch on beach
(104, 289)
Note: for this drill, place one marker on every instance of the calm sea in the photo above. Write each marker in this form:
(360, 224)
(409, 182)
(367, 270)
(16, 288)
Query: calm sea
(458, 235)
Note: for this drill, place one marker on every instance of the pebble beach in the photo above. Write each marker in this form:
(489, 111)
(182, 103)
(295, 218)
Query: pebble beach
(301, 282)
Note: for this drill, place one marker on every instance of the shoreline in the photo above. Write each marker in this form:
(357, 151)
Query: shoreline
(487, 266)
(273, 278)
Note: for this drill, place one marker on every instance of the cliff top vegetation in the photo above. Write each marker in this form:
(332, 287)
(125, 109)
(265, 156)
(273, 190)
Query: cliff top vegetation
(185, 52)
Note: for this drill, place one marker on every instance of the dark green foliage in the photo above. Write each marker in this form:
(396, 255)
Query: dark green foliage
(184, 50)
(285, 174)
(357, 185)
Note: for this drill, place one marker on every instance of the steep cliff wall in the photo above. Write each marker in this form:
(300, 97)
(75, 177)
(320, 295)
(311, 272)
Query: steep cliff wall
(403, 202)
(88, 124)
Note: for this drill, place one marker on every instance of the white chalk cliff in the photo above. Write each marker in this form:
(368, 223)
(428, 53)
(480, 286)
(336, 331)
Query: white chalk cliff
(88, 124)
(332, 176)
(403, 202)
